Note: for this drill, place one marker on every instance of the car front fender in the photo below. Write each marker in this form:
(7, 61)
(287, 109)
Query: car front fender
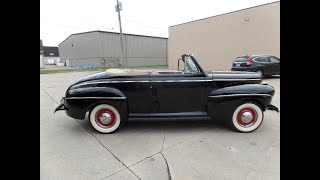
(79, 100)
(223, 101)
(94, 92)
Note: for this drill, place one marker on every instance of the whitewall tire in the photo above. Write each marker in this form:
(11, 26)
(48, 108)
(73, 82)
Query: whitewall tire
(247, 117)
(105, 118)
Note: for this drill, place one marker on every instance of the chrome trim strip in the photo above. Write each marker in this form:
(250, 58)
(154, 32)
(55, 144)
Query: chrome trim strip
(206, 80)
(233, 95)
(235, 79)
(196, 80)
(95, 97)
(121, 81)
(106, 82)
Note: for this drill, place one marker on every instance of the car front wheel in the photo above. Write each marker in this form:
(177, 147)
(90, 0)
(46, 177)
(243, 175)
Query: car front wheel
(247, 117)
(105, 118)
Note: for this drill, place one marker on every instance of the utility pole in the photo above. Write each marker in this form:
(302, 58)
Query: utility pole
(118, 9)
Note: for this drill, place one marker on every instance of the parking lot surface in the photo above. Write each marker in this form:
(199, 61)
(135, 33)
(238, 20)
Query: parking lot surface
(72, 149)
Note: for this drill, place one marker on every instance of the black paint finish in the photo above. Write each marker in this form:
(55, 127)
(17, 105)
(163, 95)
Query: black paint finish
(167, 94)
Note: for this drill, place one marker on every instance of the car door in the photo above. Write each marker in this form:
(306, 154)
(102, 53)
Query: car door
(275, 64)
(138, 93)
(179, 93)
(264, 64)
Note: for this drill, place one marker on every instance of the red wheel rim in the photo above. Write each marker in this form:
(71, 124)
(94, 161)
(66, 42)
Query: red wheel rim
(105, 118)
(247, 117)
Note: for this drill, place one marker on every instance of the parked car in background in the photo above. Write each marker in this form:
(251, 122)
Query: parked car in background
(265, 65)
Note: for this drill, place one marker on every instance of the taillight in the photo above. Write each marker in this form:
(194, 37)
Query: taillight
(249, 62)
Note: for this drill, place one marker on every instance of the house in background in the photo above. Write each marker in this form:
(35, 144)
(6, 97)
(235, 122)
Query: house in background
(51, 55)
(41, 55)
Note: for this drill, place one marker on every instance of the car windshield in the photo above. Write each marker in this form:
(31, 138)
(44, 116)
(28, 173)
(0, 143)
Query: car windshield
(190, 66)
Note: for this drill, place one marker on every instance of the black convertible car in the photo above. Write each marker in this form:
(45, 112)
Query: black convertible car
(119, 95)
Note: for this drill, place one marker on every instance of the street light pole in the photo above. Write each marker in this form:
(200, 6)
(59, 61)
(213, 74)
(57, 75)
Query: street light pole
(118, 9)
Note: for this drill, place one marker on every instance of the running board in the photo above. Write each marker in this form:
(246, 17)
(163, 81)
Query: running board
(165, 115)
(169, 118)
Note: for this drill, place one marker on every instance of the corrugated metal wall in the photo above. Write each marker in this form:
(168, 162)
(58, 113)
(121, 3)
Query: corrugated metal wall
(146, 51)
(79, 46)
(103, 49)
(109, 49)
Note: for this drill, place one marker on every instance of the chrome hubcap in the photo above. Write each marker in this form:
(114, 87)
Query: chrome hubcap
(246, 117)
(105, 118)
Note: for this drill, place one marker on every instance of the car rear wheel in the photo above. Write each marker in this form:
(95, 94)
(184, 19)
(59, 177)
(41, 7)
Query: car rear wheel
(247, 117)
(260, 72)
(105, 118)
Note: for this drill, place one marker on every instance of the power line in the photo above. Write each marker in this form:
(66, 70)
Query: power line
(78, 27)
(137, 22)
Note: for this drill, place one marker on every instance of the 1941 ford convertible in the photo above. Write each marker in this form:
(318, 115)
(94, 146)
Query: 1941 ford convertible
(119, 95)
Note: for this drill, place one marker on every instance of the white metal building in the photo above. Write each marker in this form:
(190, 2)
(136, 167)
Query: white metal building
(103, 49)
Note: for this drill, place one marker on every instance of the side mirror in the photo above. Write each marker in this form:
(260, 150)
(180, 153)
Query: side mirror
(181, 65)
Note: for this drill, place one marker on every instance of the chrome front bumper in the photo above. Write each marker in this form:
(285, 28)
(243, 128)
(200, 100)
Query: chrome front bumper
(61, 106)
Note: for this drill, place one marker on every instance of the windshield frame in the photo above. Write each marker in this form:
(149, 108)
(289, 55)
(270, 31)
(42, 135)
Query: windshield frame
(191, 67)
(193, 61)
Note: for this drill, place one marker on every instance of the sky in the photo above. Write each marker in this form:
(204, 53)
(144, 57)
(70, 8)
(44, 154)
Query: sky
(61, 18)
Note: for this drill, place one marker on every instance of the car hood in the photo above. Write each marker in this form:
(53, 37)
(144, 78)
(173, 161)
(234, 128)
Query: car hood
(95, 76)
(114, 72)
